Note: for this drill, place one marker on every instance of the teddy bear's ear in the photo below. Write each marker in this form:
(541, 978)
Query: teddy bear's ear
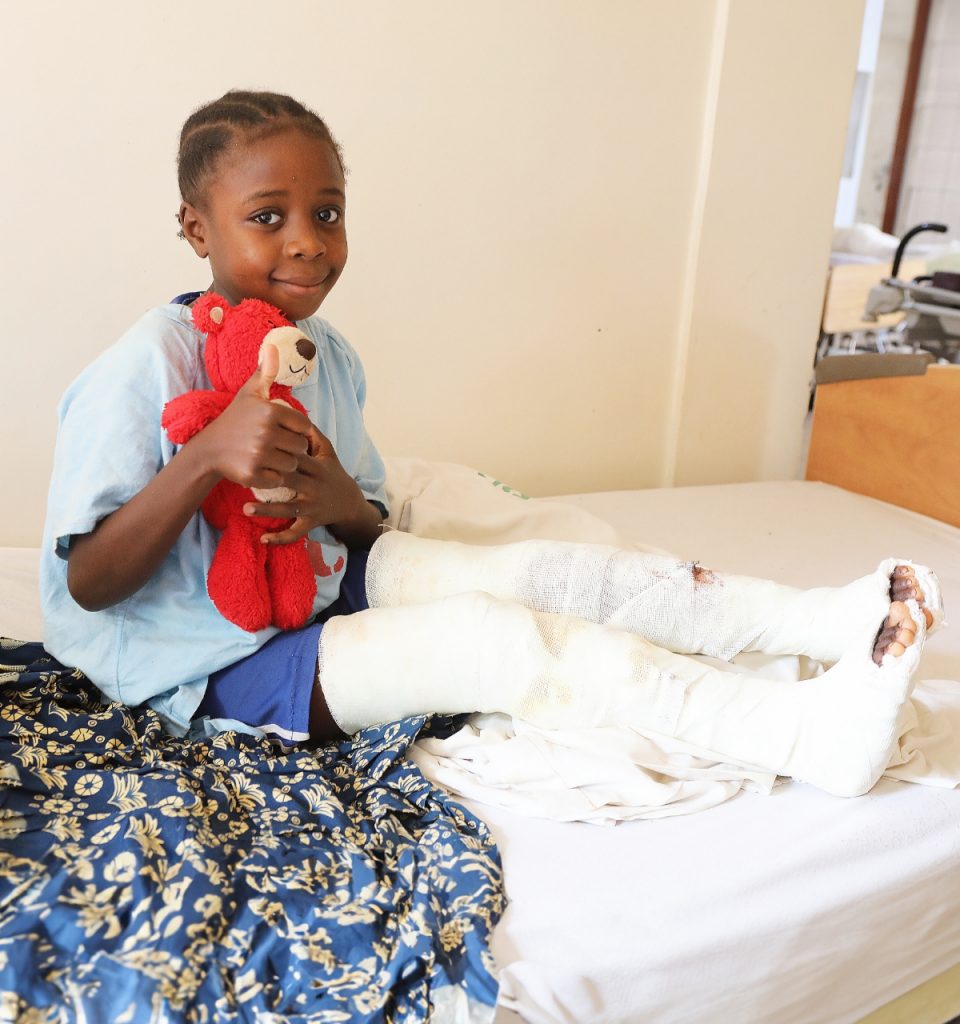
(209, 311)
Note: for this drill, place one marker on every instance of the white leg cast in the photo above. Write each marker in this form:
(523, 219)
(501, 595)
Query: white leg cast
(473, 652)
(676, 605)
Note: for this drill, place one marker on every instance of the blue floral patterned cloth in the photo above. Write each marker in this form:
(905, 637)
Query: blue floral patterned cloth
(147, 878)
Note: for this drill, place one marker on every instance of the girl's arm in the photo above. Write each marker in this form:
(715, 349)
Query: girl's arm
(255, 442)
(124, 550)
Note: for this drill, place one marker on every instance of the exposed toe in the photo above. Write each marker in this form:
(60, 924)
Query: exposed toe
(904, 586)
(897, 633)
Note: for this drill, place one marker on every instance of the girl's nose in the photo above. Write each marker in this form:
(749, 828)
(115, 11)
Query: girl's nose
(306, 349)
(305, 242)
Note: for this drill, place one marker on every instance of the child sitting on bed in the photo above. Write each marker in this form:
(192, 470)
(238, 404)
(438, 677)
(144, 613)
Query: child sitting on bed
(559, 634)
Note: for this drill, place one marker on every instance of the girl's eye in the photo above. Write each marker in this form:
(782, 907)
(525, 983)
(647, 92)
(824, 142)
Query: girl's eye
(266, 217)
(329, 215)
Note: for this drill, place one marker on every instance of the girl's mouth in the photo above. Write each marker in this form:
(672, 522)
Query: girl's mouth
(306, 286)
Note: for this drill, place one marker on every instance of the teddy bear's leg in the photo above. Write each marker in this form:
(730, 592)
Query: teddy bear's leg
(237, 580)
(292, 584)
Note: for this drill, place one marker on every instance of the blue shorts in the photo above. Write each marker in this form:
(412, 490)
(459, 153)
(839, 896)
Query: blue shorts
(270, 690)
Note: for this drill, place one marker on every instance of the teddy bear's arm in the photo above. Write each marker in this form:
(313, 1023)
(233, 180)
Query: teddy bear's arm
(188, 414)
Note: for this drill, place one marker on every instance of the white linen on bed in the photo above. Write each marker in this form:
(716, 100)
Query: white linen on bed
(796, 908)
(605, 775)
(793, 908)
(448, 500)
(598, 775)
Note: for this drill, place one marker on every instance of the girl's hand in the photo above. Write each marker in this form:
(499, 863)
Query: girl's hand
(255, 442)
(326, 495)
(259, 443)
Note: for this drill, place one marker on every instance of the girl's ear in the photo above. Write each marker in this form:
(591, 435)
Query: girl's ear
(193, 228)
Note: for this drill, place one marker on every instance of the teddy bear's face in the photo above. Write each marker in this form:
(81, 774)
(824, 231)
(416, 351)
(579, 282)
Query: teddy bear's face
(298, 354)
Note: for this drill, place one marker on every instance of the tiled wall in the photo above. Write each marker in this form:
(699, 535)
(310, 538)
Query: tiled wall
(886, 95)
(931, 183)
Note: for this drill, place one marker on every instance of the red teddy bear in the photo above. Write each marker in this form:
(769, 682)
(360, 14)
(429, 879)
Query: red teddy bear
(252, 584)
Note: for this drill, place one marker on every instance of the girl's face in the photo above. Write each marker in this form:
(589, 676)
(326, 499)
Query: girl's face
(272, 222)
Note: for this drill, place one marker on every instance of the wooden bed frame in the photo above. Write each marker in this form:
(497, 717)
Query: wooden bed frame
(895, 438)
(936, 1002)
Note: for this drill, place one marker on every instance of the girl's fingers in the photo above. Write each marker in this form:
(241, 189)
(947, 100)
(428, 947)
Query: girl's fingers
(294, 422)
(274, 509)
(264, 479)
(269, 474)
(292, 442)
(260, 381)
(286, 462)
(297, 529)
(317, 443)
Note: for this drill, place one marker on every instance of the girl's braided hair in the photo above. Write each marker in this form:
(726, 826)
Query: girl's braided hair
(211, 129)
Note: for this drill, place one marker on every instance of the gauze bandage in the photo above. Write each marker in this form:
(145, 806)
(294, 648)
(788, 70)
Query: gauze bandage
(677, 605)
(473, 652)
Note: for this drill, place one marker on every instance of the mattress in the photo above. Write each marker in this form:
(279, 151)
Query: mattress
(792, 907)
(788, 907)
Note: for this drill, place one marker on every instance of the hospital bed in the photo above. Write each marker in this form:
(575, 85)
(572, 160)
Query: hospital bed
(776, 904)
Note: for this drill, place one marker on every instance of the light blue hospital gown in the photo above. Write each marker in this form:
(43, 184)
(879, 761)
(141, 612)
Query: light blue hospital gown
(160, 645)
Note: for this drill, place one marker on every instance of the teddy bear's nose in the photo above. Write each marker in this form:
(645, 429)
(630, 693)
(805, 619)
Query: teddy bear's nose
(306, 348)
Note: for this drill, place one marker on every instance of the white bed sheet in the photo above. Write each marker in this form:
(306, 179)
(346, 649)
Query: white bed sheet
(793, 907)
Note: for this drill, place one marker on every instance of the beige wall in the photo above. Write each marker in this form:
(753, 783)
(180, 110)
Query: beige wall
(588, 240)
